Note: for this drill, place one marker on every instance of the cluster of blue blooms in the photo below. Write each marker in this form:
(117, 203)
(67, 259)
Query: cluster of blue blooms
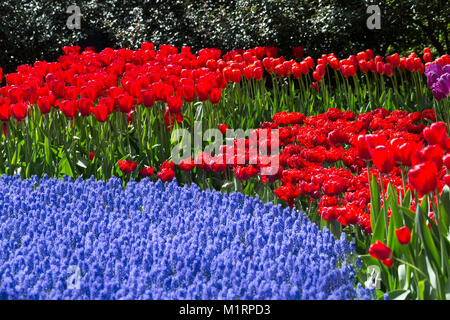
(64, 239)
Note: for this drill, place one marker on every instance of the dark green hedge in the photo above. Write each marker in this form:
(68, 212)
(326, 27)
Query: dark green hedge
(33, 29)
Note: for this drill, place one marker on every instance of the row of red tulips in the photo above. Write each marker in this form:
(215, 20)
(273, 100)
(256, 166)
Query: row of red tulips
(98, 83)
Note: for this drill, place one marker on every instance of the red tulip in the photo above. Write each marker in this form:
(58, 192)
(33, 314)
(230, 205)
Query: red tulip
(5, 109)
(310, 62)
(91, 156)
(89, 92)
(427, 57)
(363, 148)
(408, 153)
(175, 104)
(202, 91)
(298, 52)
(100, 112)
(148, 98)
(258, 73)
(45, 104)
(380, 67)
(15, 95)
(361, 56)
(269, 64)
(281, 70)
(436, 134)
(363, 66)
(236, 75)
(223, 128)
(316, 76)
(57, 87)
(108, 103)
(125, 103)
(403, 235)
(432, 153)
(380, 251)
(71, 93)
(186, 164)
(245, 173)
(19, 110)
(388, 70)
(68, 108)
(127, 166)
(214, 95)
(166, 174)
(146, 171)
(383, 159)
(228, 74)
(84, 106)
(288, 193)
(423, 177)
(271, 52)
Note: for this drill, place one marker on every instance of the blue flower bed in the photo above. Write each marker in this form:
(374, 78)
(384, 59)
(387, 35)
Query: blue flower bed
(95, 240)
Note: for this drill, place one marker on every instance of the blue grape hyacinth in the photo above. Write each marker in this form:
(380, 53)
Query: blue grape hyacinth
(64, 239)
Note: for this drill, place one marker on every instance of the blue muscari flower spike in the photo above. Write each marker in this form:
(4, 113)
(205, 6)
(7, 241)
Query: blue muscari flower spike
(75, 239)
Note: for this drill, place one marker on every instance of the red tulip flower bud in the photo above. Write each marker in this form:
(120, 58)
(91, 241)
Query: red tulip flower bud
(223, 128)
(148, 98)
(380, 251)
(363, 148)
(388, 70)
(316, 76)
(146, 171)
(432, 153)
(380, 67)
(427, 57)
(258, 73)
(436, 134)
(214, 95)
(361, 56)
(44, 104)
(19, 110)
(424, 177)
(174, 103)
(383, 159)
(85, 106)
(5, 109)
(186, 164)
(127, 166)
(369, 54)
(166, 174)
(298, 52)
(403, 235)
(363, 66)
